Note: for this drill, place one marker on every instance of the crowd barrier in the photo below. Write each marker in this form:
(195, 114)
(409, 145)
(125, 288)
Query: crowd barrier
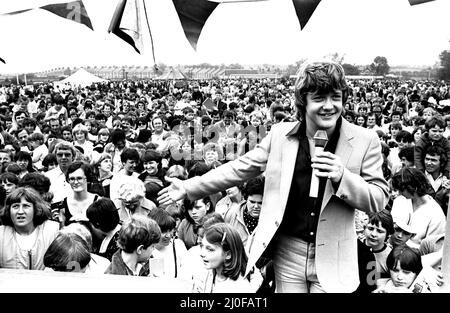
(31, 281)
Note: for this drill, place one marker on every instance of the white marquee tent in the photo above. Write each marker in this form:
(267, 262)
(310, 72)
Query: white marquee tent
(82, 77)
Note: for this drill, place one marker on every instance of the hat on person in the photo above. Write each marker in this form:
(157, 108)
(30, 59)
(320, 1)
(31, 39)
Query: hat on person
(404, 223)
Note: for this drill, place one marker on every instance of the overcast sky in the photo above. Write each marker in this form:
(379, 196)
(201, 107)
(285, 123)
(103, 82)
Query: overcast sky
(246, 33)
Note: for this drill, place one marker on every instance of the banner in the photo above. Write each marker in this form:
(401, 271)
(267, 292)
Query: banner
(74, 11)
(304, 10)
(193, 15)
(126, 23)
(414, 2)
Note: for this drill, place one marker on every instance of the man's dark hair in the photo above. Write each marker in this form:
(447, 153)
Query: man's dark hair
(318, 77)
(58, 99)
(435, 121)
(129, 154)
(117, 135)
(254, 186)
(405, 136)
(437, 150)
(407, 153)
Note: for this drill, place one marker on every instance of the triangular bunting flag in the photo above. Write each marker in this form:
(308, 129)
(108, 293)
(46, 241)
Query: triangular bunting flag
(304, 10)
(126, 23)
(74, 11)
(414, 2)
(1, 60)
(193, 15)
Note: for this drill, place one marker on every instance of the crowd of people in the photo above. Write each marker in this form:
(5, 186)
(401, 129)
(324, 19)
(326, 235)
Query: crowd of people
(82, 171)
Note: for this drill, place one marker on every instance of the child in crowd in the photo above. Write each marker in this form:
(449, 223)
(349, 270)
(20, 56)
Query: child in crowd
(40, 150)
(194, 213)
(67, 253)
(170, 251)
(407, 273)
(225, 259)
(137, 241)
(377, 232)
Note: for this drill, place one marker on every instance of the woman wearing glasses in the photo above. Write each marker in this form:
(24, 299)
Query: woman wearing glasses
(73, 207)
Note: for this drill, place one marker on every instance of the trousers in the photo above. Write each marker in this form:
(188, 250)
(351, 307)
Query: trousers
(294, 266)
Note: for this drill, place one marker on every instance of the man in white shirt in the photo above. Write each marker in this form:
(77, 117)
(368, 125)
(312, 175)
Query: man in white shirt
(130, 159)
(65, 154)
(32, 106)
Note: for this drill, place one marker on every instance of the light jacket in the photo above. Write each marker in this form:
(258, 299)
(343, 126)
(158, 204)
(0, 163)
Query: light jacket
(235, 217)
(362, 187)
(11, 256)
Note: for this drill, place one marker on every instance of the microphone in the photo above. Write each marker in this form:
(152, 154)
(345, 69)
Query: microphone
(320, 141)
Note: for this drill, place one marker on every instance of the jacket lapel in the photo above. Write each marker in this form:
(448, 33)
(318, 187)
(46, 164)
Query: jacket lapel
(288, 158)
(344, 149)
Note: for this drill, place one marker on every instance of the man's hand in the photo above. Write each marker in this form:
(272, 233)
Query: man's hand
(328, 165)
(172, 193)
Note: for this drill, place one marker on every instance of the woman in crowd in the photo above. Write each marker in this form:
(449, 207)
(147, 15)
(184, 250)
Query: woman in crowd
(427, 217)
(104, 173)
(361, 120)
(151, 160)
(80, 139)
(9, 181)
(73, 207)
(132, 200)
(24, 160)
(27, 230)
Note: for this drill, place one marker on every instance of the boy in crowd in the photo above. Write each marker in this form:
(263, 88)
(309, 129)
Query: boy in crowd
(136, 243)
(377, 232)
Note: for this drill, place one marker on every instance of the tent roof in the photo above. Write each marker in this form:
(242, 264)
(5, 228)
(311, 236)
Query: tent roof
(82, 77)
(173, 73)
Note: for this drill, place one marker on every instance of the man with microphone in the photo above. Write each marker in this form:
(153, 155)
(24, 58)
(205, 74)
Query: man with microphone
(306, 223)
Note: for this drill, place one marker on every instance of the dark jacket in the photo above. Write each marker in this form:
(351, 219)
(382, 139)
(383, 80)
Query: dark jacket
(118, 266)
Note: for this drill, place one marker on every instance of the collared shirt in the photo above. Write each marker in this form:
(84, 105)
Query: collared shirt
(302, 212)
(435, 183)
(59, 186)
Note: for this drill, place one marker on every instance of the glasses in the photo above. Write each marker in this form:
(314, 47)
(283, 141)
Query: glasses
(76, 179)
(62, 155)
